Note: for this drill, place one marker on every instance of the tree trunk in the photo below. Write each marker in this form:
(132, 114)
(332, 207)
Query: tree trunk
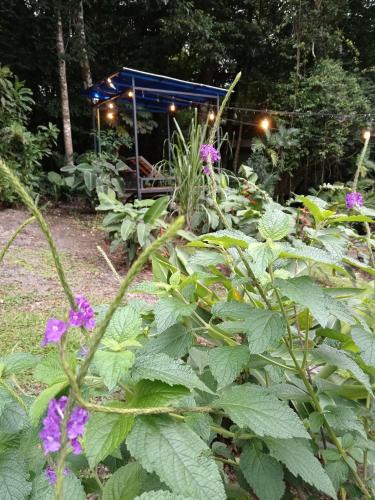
(84, 60)
(67, 129)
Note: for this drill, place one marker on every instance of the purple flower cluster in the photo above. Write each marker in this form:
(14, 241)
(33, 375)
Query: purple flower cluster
(51, 474)
(56, 328)
(209, 154)
(353, 200)
(51, 431)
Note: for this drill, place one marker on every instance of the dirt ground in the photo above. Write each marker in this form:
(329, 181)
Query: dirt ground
(29, 288)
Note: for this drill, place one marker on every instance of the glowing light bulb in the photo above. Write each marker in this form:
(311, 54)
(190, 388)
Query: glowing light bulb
(211, 116)
(110, 115)
(110, 105)
(265, 124)
(130, 93)
(109, 81)
(366, 135)
(172, 107)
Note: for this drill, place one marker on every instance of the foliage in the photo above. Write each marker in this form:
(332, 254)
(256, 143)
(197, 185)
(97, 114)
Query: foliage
(22, 149)
(132, 225)
(252, 377)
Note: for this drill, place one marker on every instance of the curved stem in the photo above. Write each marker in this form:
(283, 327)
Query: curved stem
(20, 228)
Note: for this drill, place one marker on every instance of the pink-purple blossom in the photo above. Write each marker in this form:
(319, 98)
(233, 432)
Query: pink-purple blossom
(51, 474)
(353, 200)
(209, 154)
(55, 329)
(87, 312)
(206, 170)
(51, 431)
(76, 318)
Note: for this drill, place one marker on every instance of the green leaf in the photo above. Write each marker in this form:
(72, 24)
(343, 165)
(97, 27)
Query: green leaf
(143, 231)
(156, 210)
(274, 224)
(169, 370)
(252, 406)
(343, 419)
(338, 472)
(231, 310)
(299, 459)
(359, 265)
(17, 362)
(316, 206)
(306, 252)
(127, 228)
(304, 291)
(162, 495)
(263, 473)
(343, 361)
(149, 393)
(169, 311)
(125, 324)
(226, 238)
(40, 404)
(113, 366)
(72, 488)
(226, 363)
(175, 342)
(49, 370)
(13, 478)
(179, 457)
(104, 433)
(90, 180)
(365, 341)
(262, 255)
(200, 423)
(349, 218)
(13, 418)
(206, 258)
(125, 484)
(263, 330)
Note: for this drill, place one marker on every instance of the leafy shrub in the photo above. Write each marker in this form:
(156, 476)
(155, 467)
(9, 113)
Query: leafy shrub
(132, 225)
(22, 149)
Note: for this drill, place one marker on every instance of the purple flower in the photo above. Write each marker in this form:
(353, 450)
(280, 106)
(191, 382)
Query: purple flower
(55, 329)
(51, 431)
(353, 200)
(87, 312)
(51, 474)
(209, 154)
(76, 318)
(84, 351)
(206, 170)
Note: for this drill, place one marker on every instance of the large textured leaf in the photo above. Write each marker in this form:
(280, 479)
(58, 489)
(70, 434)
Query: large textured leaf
(342, 360)
(317, 207)
(175, 341)
(17, 362)
(169, 311)
(231, 310)
(162, 495)
(13, 418)
(342, 419)
(274, 224)
(49, 369)
(156, 210)
(149, 393)
(263, 473)
(299, 459)
(169, 370)
(13, 478)
(226, 363)
(306, 252)
(305, 292)
(113, 366)
(179, 457)
(206, 258)
(262, 254)
(338, 472)
(365, 341)
(72, 488)
(104, 433)
(125, 483)
(256, 408)
(125, 324)
(263, 330)
(40, 404)
(225, 238)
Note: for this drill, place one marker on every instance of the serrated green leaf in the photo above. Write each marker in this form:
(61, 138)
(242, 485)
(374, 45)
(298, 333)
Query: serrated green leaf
(289, 392)
(226, 363)
(304, 291)
(112, 366)
(149, 393)
(359, 265)
(262, 255)
(316, 206)
(306, 252)
(125, 483)
(40, 404)
(72, 488)
(49, 369)
(179, 457)
(231, 310)
(169, 311)
(162, 495)
(252, 406)
(200, 423)
(104, 433)
(338, 472)
(17, 362)
(342, 419)
(226, 238)
(169, 370)
(263, 330)
(263, 473)
(299, 459)
(125, 324)
(13, 418)
(13, 478)
(342, 360)
(365, 341)
(175, 342)
(206, 258)
(274, 224)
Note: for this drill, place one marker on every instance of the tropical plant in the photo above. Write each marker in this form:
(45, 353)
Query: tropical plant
(132, 225)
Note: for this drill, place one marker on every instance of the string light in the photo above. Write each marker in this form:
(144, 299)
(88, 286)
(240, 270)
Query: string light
(265, 124)
(109, 81)
(111, 105)
(110, 115)
(211, 116)
(366, 135)
(172, 107)
(130, 93)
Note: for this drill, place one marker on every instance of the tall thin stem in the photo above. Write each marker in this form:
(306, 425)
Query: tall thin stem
(20, 228)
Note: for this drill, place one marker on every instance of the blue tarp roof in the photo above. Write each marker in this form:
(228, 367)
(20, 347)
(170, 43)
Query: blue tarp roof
(153, 92)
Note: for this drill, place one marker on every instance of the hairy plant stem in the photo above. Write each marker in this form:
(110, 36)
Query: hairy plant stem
(109, 263)
(20, 228)
(14, 394)
(360, 161)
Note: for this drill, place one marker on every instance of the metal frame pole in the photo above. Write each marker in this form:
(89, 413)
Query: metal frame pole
(169, 141)
(98, 129)
(139, 194)
(93, 116)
